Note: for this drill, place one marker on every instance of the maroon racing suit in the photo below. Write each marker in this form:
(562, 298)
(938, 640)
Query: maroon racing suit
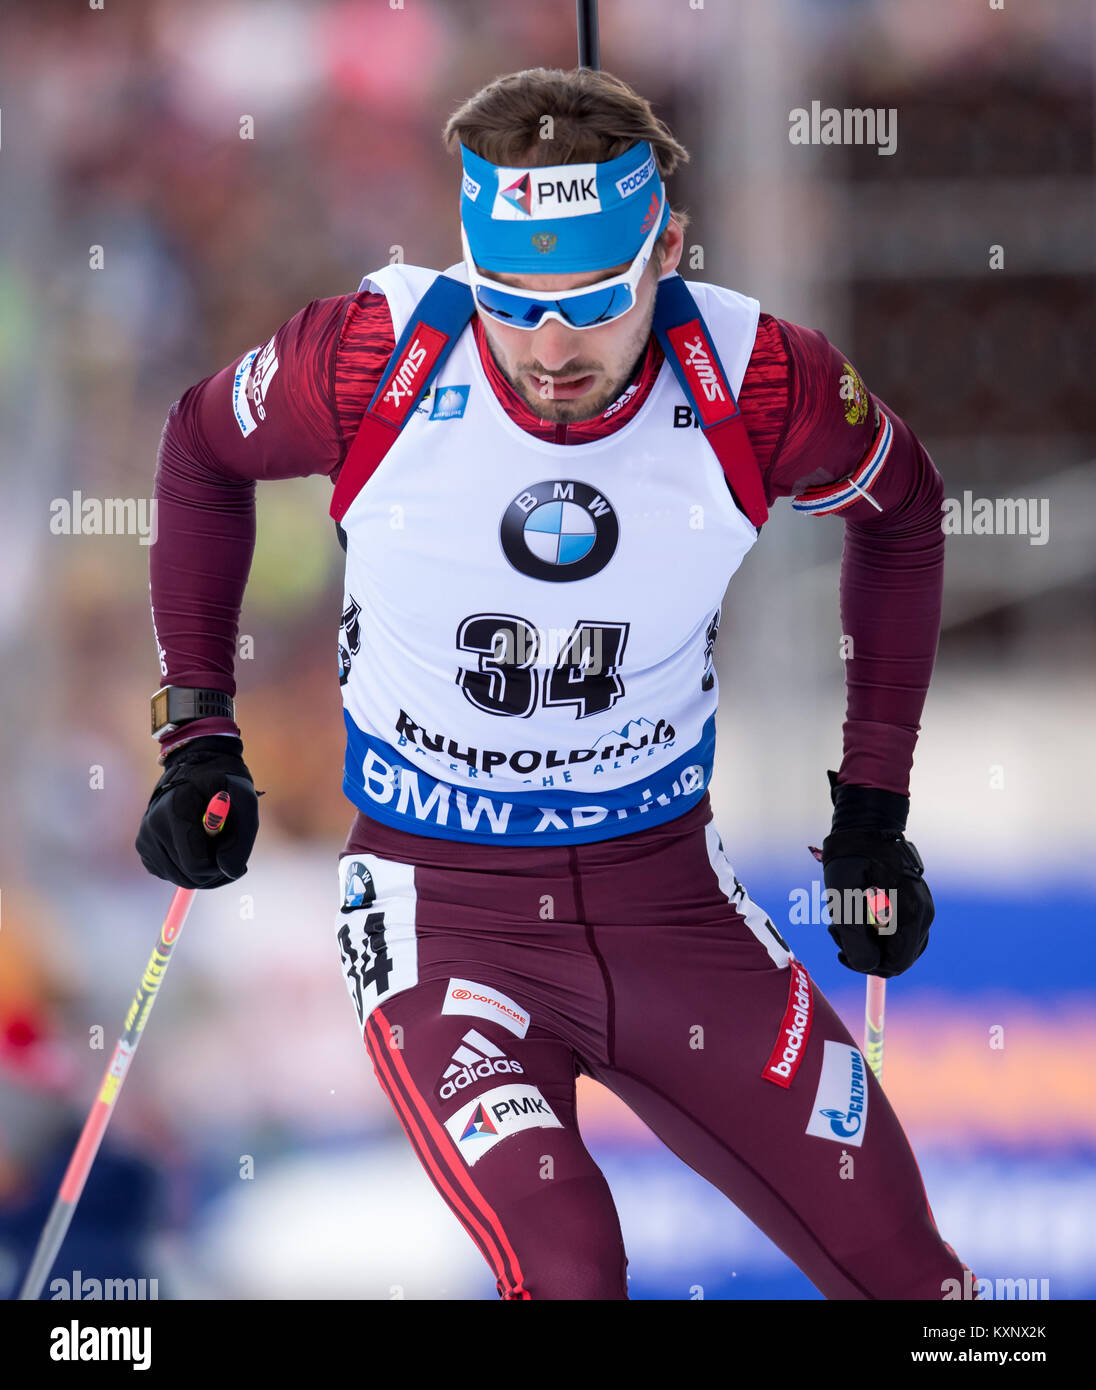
(487, 978)
(642, 962)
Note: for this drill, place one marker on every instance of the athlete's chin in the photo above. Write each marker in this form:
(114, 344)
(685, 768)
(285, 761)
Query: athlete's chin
(560, 413)
(585, 407)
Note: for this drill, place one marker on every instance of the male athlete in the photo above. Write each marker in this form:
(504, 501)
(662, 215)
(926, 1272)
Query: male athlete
(548, 461)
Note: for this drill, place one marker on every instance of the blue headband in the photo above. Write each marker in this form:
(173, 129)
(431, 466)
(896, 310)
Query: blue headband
(560, 218)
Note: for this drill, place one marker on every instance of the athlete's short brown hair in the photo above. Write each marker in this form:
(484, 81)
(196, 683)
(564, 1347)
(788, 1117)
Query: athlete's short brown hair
(595, 117)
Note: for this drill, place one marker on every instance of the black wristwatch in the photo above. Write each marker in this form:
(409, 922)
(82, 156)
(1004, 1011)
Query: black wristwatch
(176, 704)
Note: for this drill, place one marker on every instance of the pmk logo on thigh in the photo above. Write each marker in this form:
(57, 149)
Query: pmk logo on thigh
(489, 1119)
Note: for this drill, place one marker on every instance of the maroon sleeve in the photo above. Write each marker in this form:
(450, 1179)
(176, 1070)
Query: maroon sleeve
(823, 439)
(273, 413)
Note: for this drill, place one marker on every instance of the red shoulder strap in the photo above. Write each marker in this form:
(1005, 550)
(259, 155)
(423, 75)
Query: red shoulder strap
(438, 320)
(680, 328)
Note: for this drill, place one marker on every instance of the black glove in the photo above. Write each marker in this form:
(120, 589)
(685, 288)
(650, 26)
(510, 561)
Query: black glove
(867, 848)
(171, 841)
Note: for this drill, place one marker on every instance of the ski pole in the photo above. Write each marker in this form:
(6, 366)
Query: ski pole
(589, 53)
(874, 1004)
(875, 999)
(91, 1136)
(880, 909)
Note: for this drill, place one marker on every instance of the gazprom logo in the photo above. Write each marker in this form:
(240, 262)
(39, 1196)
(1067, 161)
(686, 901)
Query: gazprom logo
(846, 1123)
(840, 1108)
(637, 178)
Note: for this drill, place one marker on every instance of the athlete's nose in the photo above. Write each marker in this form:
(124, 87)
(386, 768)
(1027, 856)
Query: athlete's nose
(555, 345)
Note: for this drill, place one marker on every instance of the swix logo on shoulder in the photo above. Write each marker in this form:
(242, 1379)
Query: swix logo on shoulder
(840, 1109)
(419, 356)
(795, 1029)
(543, 193)
(489, 1119)
(713, 395)
(466, 997)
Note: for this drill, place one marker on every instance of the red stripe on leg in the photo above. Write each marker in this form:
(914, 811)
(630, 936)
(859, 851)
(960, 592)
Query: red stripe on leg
(426, 1138)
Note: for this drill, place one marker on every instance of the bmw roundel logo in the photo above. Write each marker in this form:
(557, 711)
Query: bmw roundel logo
(360, 890)
(559, 531)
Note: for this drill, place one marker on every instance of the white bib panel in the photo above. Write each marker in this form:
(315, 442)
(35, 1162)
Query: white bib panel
(526, 651)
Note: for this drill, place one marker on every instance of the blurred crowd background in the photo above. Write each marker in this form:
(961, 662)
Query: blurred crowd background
(119, 128)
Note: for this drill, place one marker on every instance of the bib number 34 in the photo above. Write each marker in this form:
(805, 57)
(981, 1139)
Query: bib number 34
(505, 679)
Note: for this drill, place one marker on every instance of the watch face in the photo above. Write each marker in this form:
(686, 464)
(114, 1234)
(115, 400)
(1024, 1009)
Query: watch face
(159, 712)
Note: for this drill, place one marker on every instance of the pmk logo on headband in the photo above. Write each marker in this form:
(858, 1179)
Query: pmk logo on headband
(600, 214)
(529, 194)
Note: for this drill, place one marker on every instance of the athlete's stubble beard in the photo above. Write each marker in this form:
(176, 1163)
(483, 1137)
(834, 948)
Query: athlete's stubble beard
(618, 367)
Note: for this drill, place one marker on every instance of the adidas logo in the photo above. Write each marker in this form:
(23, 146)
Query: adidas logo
(476, 1059)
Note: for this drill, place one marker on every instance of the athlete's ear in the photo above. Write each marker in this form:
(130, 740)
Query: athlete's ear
(671, 245)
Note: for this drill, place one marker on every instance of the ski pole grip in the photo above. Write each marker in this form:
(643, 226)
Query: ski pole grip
(214, 819)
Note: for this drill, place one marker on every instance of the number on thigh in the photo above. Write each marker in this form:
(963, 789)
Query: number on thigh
(375, 927)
